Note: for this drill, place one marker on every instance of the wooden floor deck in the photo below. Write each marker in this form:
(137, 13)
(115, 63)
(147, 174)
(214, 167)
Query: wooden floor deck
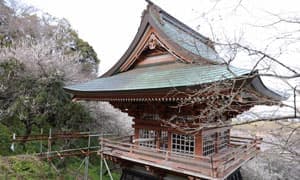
(217, 166)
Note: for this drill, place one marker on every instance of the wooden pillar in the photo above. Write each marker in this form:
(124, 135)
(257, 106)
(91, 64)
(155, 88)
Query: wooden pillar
(198, 144)
(157, 139)
(136, 135)
(169, 141)
(217, 142)
(229, 137)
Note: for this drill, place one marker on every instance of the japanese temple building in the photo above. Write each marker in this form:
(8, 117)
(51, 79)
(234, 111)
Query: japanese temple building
(156, 82)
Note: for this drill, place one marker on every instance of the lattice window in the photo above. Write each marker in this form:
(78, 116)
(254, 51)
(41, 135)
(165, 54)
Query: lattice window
(209, 144)
(223, 140)
(183, 143)
(147, 134)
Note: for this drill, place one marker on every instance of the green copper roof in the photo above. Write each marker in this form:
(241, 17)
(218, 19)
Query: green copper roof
(162, 76)
(192, 42)
(179, 39)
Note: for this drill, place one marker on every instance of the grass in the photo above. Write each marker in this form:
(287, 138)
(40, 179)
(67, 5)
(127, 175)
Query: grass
(31, 168)
(25, 167)
(72, 169)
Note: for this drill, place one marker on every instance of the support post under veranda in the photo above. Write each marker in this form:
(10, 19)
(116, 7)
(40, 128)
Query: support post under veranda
(101, 165)
(86, 170)
(102, 159)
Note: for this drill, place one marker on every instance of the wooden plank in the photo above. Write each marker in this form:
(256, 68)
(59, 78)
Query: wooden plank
(156, 59)
(144, 140)
(214, 130)
(243, 138)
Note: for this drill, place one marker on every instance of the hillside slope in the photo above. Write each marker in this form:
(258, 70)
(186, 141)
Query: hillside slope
(25, 167)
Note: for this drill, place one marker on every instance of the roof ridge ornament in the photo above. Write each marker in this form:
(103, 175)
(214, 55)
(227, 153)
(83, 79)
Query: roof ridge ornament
(152, 42)
(149, 2)
(155, 10)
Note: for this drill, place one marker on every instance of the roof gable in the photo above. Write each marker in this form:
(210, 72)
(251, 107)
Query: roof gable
(176, 38)
(149, 51)
(163, 39)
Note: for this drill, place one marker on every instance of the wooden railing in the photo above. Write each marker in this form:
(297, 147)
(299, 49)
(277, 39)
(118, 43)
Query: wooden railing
(216, 166)
(242, 149)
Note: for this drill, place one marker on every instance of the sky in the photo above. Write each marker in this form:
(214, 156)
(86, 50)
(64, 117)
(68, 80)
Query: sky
(110, 25)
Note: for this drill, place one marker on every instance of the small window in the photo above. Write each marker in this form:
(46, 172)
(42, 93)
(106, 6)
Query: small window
(209, 144)
(183, 143)
(147, 134)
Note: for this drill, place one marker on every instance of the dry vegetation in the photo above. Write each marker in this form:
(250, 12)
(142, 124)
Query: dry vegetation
(279, 158)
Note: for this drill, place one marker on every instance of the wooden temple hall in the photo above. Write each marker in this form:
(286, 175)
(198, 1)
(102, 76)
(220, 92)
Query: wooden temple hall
(163, 82)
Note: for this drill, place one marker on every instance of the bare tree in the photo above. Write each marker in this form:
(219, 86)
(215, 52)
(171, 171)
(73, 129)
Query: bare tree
(275, 60)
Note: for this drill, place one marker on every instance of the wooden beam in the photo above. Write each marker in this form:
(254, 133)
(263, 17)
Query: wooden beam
(143, 140)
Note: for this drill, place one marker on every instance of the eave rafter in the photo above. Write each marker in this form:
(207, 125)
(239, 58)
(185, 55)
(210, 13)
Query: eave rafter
(153, 99)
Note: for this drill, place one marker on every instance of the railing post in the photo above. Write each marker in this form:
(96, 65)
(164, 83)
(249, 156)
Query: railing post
(212, 166)
(131, 150)
(167, 155)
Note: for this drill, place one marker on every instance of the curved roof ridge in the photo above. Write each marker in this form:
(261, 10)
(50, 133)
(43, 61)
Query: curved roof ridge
(204, 64)
(182, 25)
(183, 40)
(141, 29)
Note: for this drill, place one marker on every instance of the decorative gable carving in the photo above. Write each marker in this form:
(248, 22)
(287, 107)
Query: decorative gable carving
(154, 52)
(151, 50)
(152, 42)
